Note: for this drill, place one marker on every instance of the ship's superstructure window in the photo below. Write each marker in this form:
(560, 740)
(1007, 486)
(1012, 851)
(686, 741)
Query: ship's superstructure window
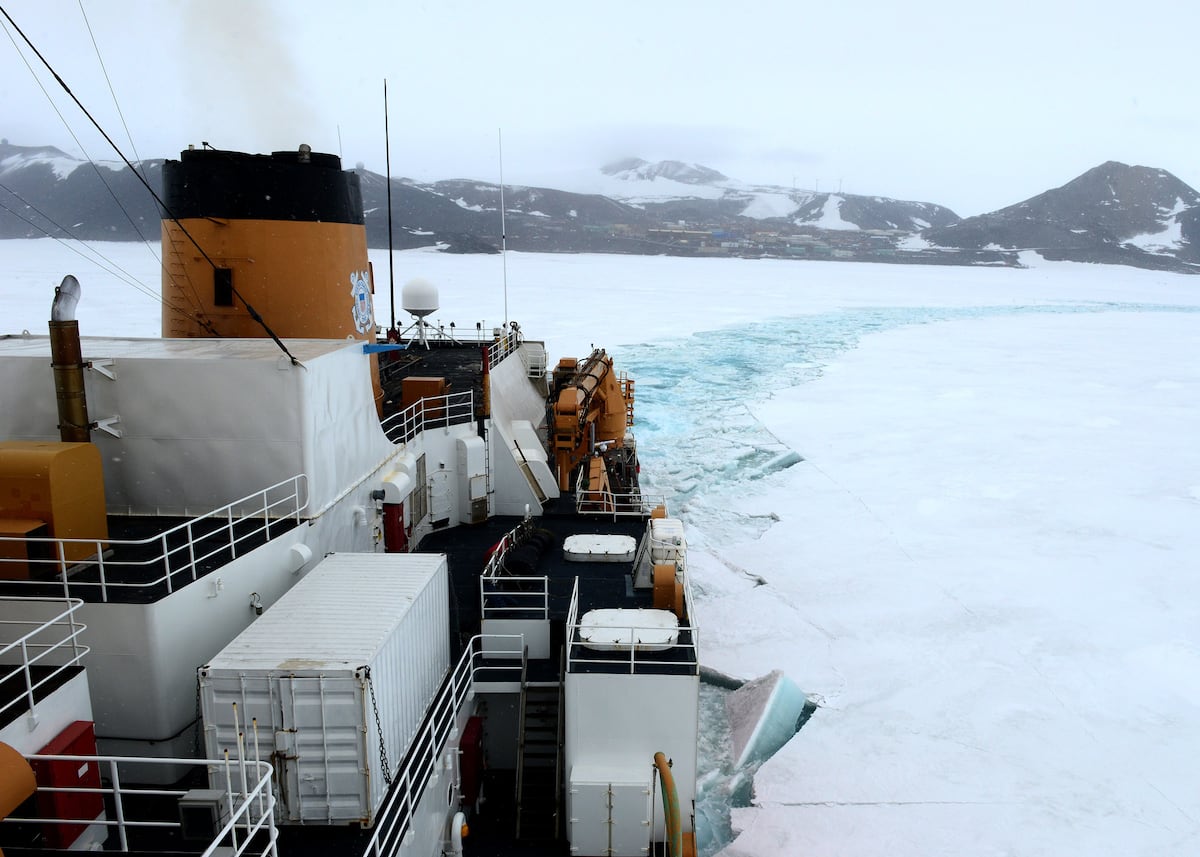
(222, 286)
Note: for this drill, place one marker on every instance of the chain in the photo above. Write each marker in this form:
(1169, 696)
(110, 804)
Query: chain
(383, 759)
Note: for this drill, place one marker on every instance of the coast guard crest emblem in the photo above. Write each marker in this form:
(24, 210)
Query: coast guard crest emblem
(362, 310)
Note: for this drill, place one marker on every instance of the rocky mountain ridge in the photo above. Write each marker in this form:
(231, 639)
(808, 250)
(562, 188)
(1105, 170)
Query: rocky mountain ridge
(1113, 213)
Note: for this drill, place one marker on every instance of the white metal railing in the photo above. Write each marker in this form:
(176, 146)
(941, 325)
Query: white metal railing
(504, 596)
(434, 412)
(481, 333)
(535, 359)
(180, 551)
(248, 801)
(505, 344)
(533, 355)
(514, 597)
(395, 817)
(52, 643)
(572, 615)
(589, 501)
(685, 648)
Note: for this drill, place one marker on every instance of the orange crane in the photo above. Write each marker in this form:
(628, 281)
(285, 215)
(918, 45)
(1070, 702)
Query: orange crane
(592, 407)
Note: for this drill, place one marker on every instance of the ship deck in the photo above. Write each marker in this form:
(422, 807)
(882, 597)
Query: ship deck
(141, 575)
(602, 584)
(459, 364)
(145, 558)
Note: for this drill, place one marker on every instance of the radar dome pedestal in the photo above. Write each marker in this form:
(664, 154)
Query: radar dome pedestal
(419, 298)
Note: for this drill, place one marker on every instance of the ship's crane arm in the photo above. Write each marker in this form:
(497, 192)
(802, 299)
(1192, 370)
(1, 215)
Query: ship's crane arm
(590, 407)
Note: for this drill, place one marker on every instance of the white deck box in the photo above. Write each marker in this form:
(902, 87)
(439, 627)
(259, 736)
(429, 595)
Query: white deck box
(667, 541)
(299, 681)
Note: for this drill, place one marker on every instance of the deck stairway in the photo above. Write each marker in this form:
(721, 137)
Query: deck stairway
(539, 762)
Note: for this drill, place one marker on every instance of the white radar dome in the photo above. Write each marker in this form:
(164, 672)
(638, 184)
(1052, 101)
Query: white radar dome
(419, 297)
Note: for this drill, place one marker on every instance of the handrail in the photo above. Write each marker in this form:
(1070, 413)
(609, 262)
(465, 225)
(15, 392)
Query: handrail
(534, 356)
(562, 738)
(589, 501)
(573, 610)
(521, 709)
(632, 660)
(395, 817)
(213, 533)
(501, 594)
(34, 648)
(433, 412)
(250, 802)
(507, 343)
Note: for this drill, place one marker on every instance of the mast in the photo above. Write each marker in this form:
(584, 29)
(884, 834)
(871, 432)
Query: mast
(503, 231)
(387, 146)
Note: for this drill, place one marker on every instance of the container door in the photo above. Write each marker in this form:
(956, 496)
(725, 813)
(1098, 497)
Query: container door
(287, 759)
(321, 741)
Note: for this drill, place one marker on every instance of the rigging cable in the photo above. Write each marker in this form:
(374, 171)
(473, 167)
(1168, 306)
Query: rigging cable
(253, 313)
(97, 258)
(194, 310)
(108, 80)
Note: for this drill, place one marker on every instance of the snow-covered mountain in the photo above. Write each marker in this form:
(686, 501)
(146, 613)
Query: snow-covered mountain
(673, 191)
(1111, 213)
(16, 159)
(44, 191)
(635, 169)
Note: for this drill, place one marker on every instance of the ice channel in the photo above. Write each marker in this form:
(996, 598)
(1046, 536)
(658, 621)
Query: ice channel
(698, 440)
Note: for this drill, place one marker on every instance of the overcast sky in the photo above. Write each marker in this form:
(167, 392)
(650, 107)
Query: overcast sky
(968, 104)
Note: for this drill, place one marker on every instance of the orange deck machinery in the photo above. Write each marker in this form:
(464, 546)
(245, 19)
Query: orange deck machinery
(592, 406)
(49, 491)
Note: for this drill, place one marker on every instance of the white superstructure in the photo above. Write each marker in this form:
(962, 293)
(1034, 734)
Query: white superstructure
(248, 569)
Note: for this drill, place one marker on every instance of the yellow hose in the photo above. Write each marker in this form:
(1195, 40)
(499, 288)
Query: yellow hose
(670, 801)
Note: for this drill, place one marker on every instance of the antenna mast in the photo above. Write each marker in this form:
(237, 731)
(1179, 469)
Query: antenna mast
(387, 155)
(503, 231)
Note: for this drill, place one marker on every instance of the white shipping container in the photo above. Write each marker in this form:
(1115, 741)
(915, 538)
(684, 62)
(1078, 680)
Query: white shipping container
(296, 681)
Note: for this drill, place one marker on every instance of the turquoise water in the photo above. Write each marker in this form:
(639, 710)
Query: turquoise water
(692, 420)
